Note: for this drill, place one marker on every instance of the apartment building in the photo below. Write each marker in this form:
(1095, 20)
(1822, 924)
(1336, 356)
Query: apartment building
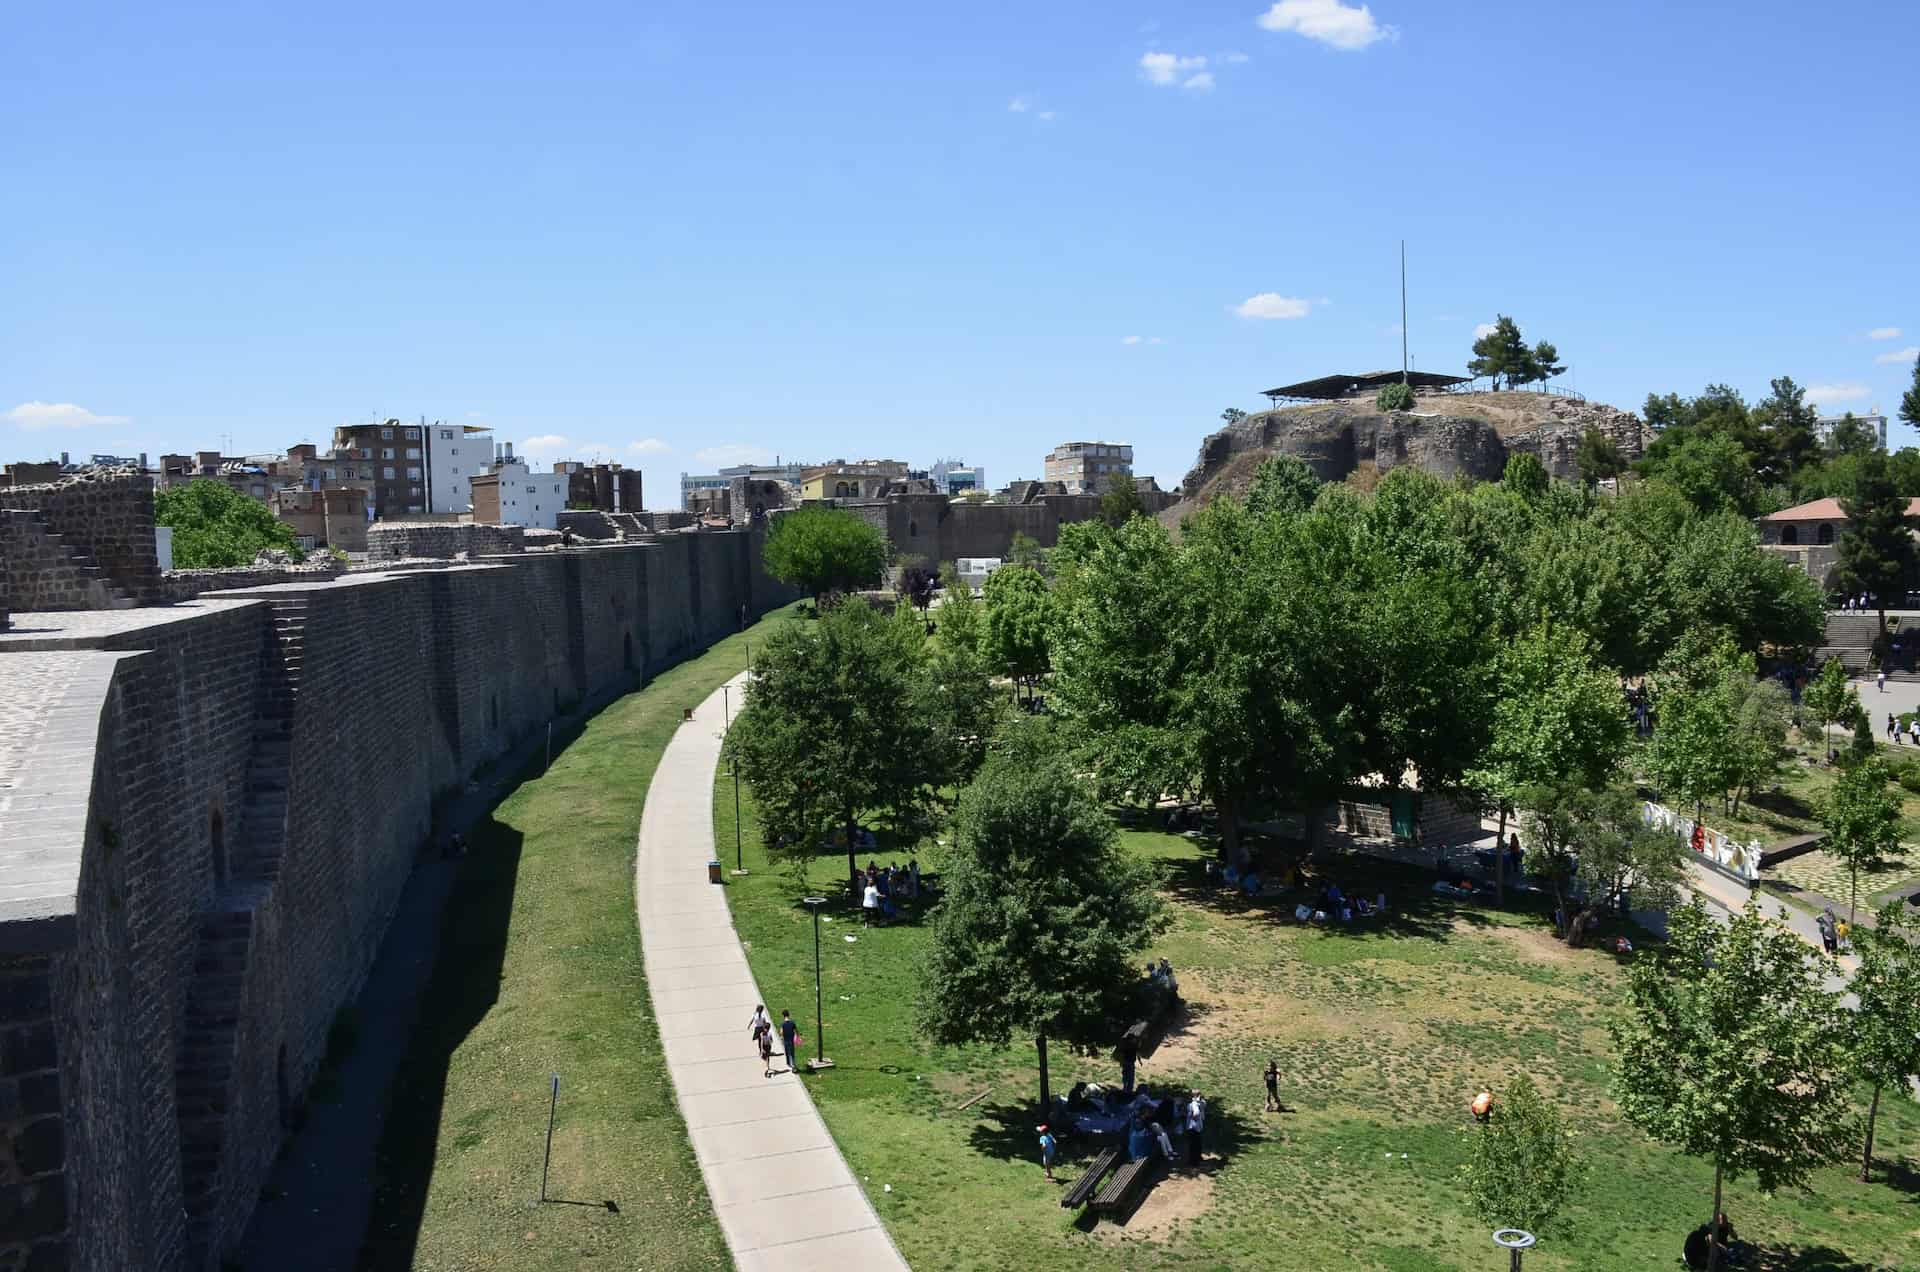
(1087, 468)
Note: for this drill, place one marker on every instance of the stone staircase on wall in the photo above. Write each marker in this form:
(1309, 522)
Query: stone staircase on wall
(629, 526)
(1849, 638)
(204, 1069)
(46, 573)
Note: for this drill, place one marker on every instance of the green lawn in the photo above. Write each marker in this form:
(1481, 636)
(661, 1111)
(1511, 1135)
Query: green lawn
(1382, 1037)
(539, 971)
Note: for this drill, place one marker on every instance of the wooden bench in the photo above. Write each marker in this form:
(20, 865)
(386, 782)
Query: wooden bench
(1090, 1178)
(1118, 1193)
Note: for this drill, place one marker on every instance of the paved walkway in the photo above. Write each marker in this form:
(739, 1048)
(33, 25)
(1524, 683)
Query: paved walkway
(784, 1195)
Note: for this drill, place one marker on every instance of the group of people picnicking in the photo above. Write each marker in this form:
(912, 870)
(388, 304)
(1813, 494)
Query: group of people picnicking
(1139, 1117)
(884, 887)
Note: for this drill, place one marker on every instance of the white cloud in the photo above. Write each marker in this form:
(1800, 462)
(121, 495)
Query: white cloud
(1045, 116)
(730, 453)
(1484, 329)
(1019, 106)
(1829, 393)
(1884, 333)
(1139, 340)
(1909, 354)
(1233, 59)
(648, 446)
(1201, 83)
(1168, 69)
(1273, 305)
(1343, 26)
(38, 415)
(1130, 340)
(544, 446)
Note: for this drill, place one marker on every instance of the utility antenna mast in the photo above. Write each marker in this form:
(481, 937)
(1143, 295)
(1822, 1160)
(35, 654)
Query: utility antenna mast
(1403, 311)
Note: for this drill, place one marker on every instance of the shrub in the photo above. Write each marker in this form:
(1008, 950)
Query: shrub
(1395, 397)
(1909, 779)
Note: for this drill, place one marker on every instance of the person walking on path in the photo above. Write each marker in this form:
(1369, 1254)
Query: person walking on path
(1882, 679)
(766, 1050)
(1893, 728)
(1272, 1076)
(789, 1038)
(1829, 932)
(1047, 1149)
(759, 1024)
(1196, 1124)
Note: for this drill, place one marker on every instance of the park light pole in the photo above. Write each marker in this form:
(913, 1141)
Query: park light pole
(1513, 1240)
(819, 1060)
(733, 763)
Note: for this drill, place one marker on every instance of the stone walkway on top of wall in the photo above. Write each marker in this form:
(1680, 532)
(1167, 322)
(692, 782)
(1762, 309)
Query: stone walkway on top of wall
(784, 1195)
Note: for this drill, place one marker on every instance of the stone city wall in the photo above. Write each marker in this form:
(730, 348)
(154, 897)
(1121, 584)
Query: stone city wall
(43, 573)
(105, 514)
(401, 540)
(184, 585)
(368, 695)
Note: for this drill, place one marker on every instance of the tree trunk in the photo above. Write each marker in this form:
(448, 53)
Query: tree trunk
(1853, 891)
(1500, 861)
(853, 866)
(1046, 1092)
(1229, 829)
(1866, 1158)
(1713, 1246)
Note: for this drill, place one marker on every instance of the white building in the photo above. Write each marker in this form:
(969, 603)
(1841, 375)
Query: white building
(956, 477)
(973, 571)
(455, 452)
(527, 498)
(1875, 423)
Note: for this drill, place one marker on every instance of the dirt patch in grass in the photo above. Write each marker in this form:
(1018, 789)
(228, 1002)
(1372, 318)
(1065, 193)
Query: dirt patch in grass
(1537, 946)
(1177, 1200)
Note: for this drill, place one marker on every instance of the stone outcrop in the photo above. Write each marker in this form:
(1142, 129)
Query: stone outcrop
(1467, 434)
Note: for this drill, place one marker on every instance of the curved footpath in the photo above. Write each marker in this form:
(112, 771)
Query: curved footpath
(783, 1193)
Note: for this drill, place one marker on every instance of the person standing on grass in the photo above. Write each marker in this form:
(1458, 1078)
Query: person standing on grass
(789, 1038)
(1272, 1076)
(870, 903)
(1196, 1124)
(1047, 1149)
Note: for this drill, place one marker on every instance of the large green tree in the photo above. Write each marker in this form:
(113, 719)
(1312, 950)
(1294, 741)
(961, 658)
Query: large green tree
(1503, 355)
(1042, 914)
(961, 616)
(844, 722)
(1019, 624)
(1791, 427)
(1876, 551)
(1733, 1051)
(825, 550)
(1690, 755)
(1595, 850)
(1884, 1028)
(1122, 501)
(1862, 821)
(1556, 718)
(217, 527)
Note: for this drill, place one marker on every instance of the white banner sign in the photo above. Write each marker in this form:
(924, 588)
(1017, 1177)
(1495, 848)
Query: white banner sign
(1722, 849)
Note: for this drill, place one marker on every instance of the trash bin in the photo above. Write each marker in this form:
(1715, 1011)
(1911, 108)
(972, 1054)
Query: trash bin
(713, 872)
(686, 713)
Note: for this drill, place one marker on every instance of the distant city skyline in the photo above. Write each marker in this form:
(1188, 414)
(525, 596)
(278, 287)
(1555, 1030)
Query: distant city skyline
(681, 240)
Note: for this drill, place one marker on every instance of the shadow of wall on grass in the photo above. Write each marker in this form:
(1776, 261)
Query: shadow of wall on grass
(463, 988)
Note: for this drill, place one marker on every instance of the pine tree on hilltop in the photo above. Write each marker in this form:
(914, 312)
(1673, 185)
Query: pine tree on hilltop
(1502, 354)
(1876, 548)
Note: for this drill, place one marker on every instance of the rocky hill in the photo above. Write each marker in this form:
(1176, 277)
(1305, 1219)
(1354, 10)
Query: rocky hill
(1446, 434)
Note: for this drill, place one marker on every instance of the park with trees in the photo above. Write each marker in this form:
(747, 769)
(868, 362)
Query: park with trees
(1262, 663)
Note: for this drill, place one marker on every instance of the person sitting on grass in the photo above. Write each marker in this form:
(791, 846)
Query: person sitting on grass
(1139, 1139)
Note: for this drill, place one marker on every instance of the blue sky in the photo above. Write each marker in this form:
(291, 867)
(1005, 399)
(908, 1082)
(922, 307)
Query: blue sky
(679, 235)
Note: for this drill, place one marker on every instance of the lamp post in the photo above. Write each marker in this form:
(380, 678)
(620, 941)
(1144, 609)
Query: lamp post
(733, 763)
(820, 1060)
(726, 709)
(1513, 1240)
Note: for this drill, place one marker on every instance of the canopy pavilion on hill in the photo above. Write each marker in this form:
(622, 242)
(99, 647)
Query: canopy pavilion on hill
(1331, 387)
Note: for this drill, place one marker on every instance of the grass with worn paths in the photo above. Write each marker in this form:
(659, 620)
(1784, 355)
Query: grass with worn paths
(1382, 1036)
(539, 972)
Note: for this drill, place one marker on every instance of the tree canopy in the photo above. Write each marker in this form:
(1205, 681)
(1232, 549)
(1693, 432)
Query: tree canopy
(1732, 1050)
(1884, 1033)
(1523, 1167)
(1876, 548)
(217, 527)
(1503, 355)
(1042, 914)
(1862, 821)
(1016, 637)
(825, 550)
(1122, 501)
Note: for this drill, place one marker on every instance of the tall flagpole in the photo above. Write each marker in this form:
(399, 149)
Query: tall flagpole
(1403, 311)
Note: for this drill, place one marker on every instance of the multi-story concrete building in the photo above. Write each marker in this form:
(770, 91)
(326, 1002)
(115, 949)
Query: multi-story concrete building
(862, 479)
(953, 477)
(1087, 468)
(509, 493)
(329, 517)
(455, 452)
(602, 487)
(1873, 421)
(395, 455)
